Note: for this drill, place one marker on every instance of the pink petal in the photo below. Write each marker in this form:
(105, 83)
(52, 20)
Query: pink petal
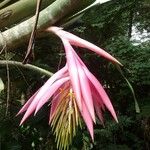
(99, 89)
(34, 104)
(87, 119)
(98, 110)
(77, 41)
(101, 92)
(30, 110)
(27, 104)
(54, 105)
(53, 88)
(56, 100)
(97, 99)
(99, 114)
(85, 89)
(49, 82)
(73, 72)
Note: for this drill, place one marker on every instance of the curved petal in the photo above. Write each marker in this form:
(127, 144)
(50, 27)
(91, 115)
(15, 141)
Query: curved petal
(98, 108)
(99, 89)
(102, 93)
(27, 104)
(30, 110)
(73, 72)
(99, 113)
(54, 87)
(85, 89)
(87, 119)
(34, 105)
(56, 100)
(77, 41)
(97, 99)
(50, 81)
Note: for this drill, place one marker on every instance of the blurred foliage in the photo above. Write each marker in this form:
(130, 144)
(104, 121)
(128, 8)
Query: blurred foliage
(108, 26)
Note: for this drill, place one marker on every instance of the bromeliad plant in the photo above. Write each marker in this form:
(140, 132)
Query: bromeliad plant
(74, 93)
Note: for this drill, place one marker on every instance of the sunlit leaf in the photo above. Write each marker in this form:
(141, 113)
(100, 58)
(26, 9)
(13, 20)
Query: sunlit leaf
(1, 85)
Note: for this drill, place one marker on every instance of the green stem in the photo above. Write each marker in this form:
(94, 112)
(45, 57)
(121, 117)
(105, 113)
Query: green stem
(56, 11)
(26, 66)
(19, 11)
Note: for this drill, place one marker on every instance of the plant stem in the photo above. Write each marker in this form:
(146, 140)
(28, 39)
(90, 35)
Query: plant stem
(33, 33)
(26, 66)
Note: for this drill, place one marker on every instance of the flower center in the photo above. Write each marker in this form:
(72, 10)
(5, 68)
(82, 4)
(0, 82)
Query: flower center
(66, 118)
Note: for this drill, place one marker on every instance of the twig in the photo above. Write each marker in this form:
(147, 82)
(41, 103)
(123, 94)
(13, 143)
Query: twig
(8, 85)
(26, 66)
(8, 76)
(33, 34)
(23, 76)
(60, 59)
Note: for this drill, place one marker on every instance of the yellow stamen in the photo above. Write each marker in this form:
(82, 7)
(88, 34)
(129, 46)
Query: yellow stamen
(66, 118)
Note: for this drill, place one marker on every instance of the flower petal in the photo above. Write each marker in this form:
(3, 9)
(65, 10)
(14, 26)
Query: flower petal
(87, 119)
(52, 89)
(73, 72)
(101, 92)
(98, 110)
(97, 99)
(35, 103)
(30, 110)
(99, 113)
(99, 89)
(27, 104)
(57, 99)
(49, 82)
(85, 88)
(77, 41)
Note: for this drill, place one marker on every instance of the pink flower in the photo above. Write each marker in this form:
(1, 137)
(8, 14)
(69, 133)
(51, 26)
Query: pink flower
(74, 92)
(77, 41)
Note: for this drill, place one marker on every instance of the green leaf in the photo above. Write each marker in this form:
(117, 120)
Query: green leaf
(137, 108)
(96, 2)
(1, 85)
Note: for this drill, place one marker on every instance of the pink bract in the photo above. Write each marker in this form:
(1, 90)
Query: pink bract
(71, 85)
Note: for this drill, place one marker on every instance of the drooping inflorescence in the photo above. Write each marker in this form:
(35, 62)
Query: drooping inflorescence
(74, 92)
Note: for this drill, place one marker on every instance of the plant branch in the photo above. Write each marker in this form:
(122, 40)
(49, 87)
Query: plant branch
(8, 88)
(56, 11)
(2, 4)
(26, 66)
(33, 33)
(19, 11)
